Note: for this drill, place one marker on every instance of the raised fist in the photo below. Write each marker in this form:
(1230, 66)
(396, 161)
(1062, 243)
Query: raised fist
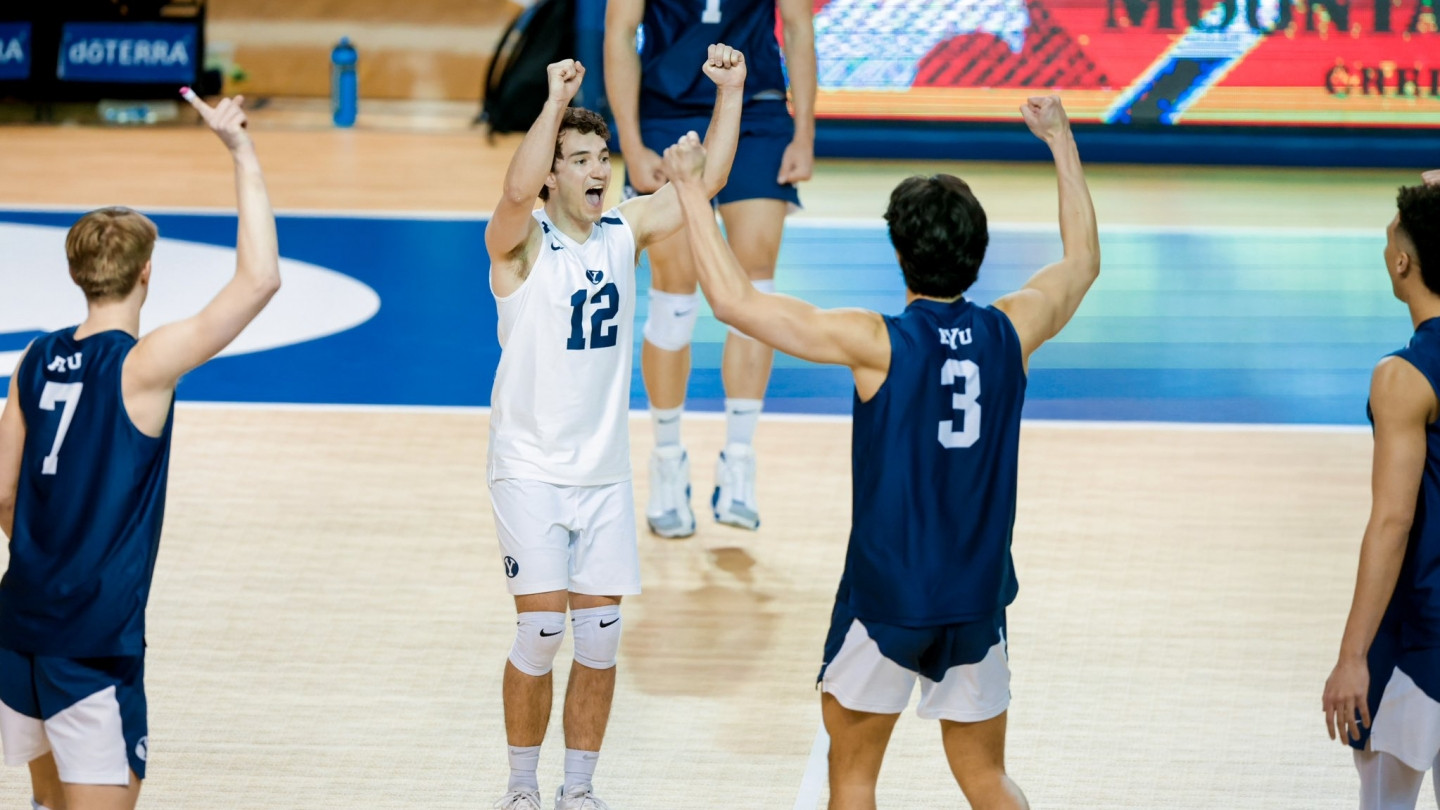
(564, 79)
(685, 161)
(726, 67)
(1045, 116)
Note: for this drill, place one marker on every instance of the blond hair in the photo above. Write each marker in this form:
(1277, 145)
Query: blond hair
(107, 249)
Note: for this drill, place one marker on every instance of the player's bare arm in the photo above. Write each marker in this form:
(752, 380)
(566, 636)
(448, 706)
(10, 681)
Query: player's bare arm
(1041, 308)
(658, 216)
(846, 337)
(12, 446)
(797, 18)
(622, 90)
(1403, 404)
(160, 358)
(1431, 178)
(512, 234)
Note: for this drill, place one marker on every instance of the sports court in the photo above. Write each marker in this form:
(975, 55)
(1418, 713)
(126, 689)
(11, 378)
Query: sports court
(328, 618)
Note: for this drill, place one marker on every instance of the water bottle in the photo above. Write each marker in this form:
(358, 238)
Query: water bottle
(344, 85)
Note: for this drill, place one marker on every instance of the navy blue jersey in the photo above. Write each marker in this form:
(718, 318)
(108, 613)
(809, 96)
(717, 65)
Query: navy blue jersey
(89, 508)
(676, 40)
(1415, 605)
(935, 455)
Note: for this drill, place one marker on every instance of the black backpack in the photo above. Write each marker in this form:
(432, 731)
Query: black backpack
(516, 85)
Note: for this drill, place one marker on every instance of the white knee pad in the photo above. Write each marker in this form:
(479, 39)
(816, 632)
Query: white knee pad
(537, 640)
(764, 285)
(597, 636)
(670, 323)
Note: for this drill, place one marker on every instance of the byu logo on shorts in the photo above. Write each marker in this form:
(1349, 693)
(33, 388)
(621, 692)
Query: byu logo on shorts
(511, 567)
(142, 749)
(594, 275)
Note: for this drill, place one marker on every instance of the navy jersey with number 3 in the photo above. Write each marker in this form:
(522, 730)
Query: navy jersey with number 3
(89, 507)
(935, 456)
(676, 39)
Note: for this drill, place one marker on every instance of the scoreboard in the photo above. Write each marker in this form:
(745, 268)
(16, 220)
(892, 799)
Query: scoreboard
(61, 50)
(1337, 63)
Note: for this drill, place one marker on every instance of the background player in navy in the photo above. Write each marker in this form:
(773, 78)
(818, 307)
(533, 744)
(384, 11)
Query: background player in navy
(1389, 666)
(938, 392)
(656, 98)
(84, 458)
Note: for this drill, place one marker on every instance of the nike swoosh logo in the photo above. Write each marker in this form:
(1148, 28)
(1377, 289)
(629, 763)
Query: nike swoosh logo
(669, 421)
(557, 247)
(680, 313)
(544, 634)
(603, 624)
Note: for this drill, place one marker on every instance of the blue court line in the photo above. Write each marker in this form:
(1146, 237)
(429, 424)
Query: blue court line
(1185, 325)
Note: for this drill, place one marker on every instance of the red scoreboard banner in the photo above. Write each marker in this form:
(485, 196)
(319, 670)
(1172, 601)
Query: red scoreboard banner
(1250, 62)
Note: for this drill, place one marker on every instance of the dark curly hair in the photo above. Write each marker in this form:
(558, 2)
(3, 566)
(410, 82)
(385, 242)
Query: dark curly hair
(938, 229)
(582, 121)
(1420, 220)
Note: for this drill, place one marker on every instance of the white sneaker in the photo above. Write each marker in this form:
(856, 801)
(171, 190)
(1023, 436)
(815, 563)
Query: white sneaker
(580, 797)
(669, 513)
(519, 800)
(734, 498)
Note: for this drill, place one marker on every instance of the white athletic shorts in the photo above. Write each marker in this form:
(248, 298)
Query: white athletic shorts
(1407, 724)
(963, 669)
(564, 538)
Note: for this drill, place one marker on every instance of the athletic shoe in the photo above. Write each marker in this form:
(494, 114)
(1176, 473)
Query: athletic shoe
(669, 513)
(520, 800)
(580, 797)
(734, 498)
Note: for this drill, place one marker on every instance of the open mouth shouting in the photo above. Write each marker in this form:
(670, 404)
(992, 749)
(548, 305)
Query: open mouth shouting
(595, 196)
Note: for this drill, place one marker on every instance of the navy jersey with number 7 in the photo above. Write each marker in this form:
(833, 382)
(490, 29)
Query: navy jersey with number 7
(935, 455)
(89, 506)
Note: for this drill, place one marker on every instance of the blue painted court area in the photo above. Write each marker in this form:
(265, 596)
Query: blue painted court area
(1191, 325)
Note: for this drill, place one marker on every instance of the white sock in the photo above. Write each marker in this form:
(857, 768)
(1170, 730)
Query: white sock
(579, 767)
(524, 762)
(741, 417)
(34, 805)
(667, 425)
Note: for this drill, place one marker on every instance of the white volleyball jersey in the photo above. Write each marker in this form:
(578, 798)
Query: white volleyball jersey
(559, 411)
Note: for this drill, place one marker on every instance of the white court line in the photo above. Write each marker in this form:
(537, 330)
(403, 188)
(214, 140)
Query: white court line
(823, 418)
(797, 222)
(817, 771)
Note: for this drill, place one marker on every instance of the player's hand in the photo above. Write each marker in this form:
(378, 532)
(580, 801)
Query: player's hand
(726, 67)
(1346, 693)
(1431, 178)
(1045, 116)
(644, 169)
(685, 161)
(226, 119)
(565, 77)
(797, 164)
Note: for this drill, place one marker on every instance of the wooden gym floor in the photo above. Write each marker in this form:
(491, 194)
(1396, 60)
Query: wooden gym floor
(328, 621)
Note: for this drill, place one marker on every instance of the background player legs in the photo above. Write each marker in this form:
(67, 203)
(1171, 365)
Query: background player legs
(102, 797)
(45, 783)
(857, 747)
(666, 373)
(753, 229)
(977, 758)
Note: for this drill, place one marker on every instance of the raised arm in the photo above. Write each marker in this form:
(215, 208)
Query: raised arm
(845, 337)
(658, 216)
(622, 90)
(1041, 308)
(1402, 403)
(12, 446)
(512, 234)
(158, 361)
(797, 19)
